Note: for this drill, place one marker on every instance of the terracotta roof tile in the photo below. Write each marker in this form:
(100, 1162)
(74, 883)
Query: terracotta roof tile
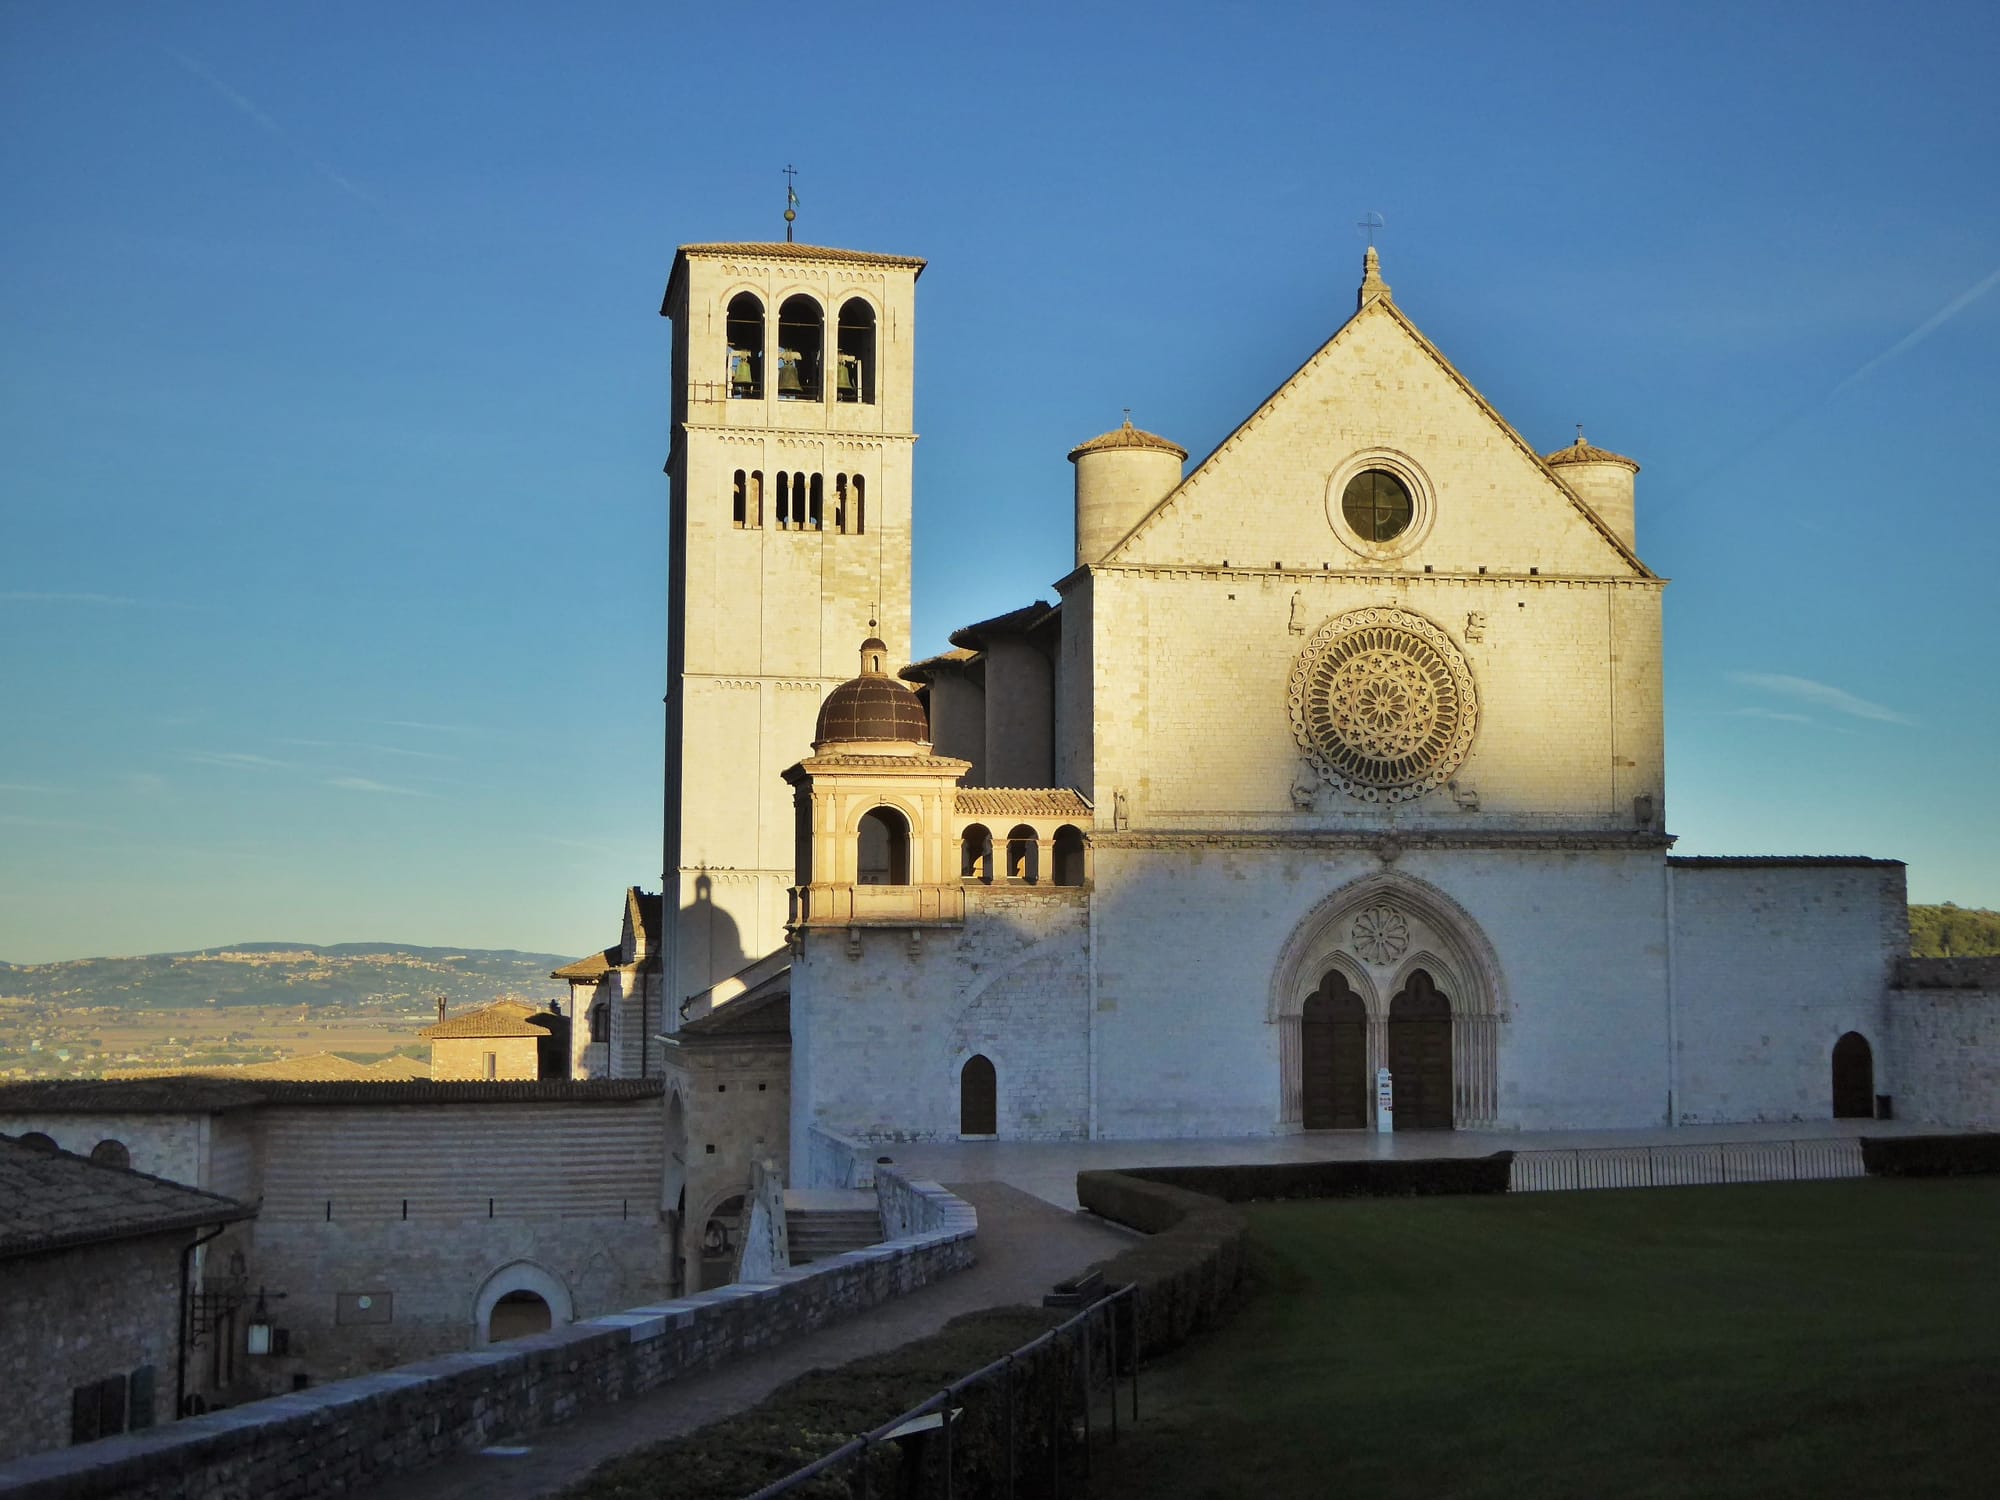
(501, 1018)
(780, 250)
(50, 1200)
(1015, 622)
(594, 967)
(1025, 802)
(1580, 452)
(1128, 436)
(760, 1015)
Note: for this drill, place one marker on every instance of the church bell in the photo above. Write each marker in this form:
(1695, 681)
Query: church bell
(789, 381)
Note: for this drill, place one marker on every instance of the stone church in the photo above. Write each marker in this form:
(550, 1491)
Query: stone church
(1337, 754)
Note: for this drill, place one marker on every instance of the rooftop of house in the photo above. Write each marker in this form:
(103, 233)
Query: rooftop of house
(501, 1018)
(186, 1094)
(52, 1200)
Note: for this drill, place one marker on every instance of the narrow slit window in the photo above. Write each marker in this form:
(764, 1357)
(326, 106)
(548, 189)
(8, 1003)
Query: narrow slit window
(860, 505)
(818, 512)
(740, 500)
(840, 502)
(757, 497)
(784, 501)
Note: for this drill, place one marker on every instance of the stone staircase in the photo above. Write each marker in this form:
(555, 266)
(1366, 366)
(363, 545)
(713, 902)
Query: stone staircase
(820, 1224)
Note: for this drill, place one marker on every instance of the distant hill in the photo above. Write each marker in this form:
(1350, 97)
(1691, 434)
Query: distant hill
(1949, 931)
(286, 974)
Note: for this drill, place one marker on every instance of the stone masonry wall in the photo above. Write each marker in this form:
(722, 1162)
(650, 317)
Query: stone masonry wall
(1944, 1041)
(85, 1315)
(356, 1432)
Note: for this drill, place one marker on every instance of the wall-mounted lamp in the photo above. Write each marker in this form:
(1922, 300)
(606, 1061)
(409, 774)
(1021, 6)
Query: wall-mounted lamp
(258, 1332)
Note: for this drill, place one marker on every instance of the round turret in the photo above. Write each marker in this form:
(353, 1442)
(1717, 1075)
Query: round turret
(874, 711)
(1119, 478)
(1603, 481)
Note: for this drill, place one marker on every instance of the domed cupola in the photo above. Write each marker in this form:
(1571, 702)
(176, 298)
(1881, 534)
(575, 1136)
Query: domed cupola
(1602, 480)
(873, 712)
(1120, 477)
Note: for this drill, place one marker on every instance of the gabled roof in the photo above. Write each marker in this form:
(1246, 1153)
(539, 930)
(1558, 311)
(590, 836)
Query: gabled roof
(1378, 306)
(501, 1018)
(52, 1200)
(594, 967)
(1014, 622)
(767, 1015)
(642, 925)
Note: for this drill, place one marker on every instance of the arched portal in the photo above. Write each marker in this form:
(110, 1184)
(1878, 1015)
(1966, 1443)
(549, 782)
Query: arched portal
(1420, 1055)
(978, 1097)
(516, 1315)
(883, 856)
(519, 1286)
(1853, 1078)
(1378, 934)
(1333, 1057)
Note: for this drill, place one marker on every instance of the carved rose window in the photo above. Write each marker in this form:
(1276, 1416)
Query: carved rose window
(1383, 705)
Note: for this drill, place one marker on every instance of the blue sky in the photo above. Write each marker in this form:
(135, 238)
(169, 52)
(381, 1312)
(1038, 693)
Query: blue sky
(332, 531)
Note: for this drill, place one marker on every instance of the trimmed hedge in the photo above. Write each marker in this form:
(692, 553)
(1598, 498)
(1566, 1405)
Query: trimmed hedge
(1188, 1274)
(816, 1413)
(1392, 1178)
(1930, 1155)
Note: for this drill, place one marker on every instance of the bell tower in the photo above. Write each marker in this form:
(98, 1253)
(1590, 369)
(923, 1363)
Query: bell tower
(790, 541)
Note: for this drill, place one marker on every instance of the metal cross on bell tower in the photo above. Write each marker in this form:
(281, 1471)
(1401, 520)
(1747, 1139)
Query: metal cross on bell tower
(1370, 223)
(791, 200)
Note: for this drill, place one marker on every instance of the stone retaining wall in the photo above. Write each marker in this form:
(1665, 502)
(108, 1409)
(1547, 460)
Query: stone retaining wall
(355, 1432)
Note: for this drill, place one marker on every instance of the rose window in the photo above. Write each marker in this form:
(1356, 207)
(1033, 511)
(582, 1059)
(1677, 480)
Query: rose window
(1383, 704)
(1381, 934)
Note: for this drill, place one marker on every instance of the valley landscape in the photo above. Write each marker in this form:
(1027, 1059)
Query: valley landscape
(247, 1003)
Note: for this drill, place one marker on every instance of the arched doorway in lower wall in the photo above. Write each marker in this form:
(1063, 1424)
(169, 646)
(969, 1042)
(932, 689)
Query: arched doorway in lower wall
(978, 1098)
(1853, 1078)
(516, 1315)
(1420, 1054)
(506, 1306)
(1333, 1057)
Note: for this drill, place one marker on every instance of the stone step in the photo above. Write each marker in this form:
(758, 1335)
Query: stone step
(818, 1234)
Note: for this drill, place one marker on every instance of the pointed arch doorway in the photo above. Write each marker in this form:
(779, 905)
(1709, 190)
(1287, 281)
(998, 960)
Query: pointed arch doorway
(1333, 1057)
(1420, 1054)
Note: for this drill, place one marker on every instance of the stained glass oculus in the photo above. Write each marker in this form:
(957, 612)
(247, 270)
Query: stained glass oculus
(1376, 505)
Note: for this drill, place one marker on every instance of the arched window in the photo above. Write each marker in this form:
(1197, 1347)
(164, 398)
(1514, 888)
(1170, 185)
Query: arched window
(720, 1238)
(517, 1315)
(745, 326)
(1023, 852)
(801, 349)
(1853, 1078)
(857, 351)
(975, 853)
(111, 1154)
(978, 1097)
(840, 502)
(884, 854)
(600, 1022)
(1067, 856)
(816, 516)
(747, 499)
(36, 1141)
(784, 501)
(860, 505)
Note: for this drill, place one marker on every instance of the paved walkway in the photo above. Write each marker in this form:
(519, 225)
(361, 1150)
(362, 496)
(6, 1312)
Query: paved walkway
(1048, 1169)
(1025, 1245)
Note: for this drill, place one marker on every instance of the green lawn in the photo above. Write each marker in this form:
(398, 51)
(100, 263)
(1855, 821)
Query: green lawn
(1825, 1339)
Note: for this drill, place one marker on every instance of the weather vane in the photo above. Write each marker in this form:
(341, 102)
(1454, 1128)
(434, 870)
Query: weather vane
(1370, 222)
(791, 200)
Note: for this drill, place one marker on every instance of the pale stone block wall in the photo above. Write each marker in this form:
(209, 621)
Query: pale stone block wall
(1011, 984)
(1773, 960)
(1189, 945)
(1944, 1041)
(175, 1147)
(1192, 717)
(464, 1057)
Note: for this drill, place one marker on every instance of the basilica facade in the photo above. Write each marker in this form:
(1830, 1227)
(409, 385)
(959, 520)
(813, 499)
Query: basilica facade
(1328, 792)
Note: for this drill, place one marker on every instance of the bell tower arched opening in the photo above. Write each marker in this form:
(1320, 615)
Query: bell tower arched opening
(744, 323)
(801, 348)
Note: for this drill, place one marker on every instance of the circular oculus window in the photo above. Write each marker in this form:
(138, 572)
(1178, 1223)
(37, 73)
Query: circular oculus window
(1377, 506)
(1383, 704)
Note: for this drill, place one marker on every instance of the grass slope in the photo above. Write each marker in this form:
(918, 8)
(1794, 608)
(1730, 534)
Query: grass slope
(1793, 1339)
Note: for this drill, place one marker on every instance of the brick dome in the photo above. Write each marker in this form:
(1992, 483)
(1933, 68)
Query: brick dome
(873, 708)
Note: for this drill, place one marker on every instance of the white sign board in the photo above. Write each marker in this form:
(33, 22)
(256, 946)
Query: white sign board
(1385, 1101)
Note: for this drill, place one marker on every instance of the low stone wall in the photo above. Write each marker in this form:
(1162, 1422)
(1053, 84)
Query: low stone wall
(835, 1161)
(1944, 1041)
(355, 1432)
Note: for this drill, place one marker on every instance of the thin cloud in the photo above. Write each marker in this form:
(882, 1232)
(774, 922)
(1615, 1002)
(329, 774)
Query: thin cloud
(1821, 695)
(1926, 328)
(112, 601)
(368, 784)
(239, 760)
(27, 788)
(373, 749)
(1771, 713)
(246, 107)
(437, 728)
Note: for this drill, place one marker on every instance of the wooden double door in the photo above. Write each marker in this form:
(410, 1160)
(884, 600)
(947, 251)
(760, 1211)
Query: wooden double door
(1333, 1056)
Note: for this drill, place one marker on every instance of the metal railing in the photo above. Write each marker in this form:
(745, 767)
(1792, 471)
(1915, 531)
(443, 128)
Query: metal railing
(1694, 1165)
(1063, 1440)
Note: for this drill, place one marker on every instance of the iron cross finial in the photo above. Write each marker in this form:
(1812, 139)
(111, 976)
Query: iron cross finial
(791, 200)
(1370, 222)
